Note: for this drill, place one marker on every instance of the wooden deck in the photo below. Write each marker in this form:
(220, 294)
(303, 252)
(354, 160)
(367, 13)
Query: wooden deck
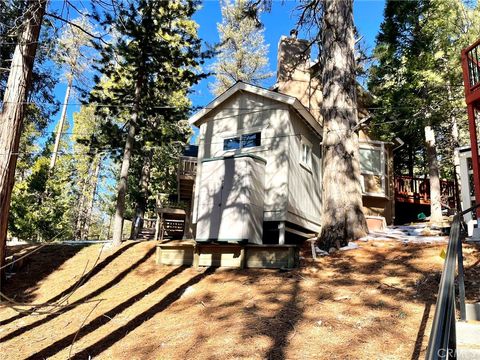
(417, 191)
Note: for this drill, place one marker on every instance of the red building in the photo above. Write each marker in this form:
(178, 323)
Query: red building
(471, 80)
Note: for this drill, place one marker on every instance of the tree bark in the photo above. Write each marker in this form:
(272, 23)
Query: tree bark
(411, 160)
(342, 216)
(434, 173)
(455, 143)
(142, 201)
(127, 154)
(85, 186)
(12, 114)
(91, 197)
(61, 123)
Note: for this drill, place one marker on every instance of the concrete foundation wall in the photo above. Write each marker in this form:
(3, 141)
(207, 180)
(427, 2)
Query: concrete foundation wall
(228, 255)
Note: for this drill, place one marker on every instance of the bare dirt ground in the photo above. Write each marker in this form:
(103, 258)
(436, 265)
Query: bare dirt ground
(375, 302)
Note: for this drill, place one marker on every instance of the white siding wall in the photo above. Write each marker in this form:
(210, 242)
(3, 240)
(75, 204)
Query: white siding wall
(247, 113)
(304, 184)
(287, 184)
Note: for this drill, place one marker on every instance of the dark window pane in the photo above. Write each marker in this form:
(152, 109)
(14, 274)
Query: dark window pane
(471, 185)
(251, 140)
(231, 144)
(469, 164)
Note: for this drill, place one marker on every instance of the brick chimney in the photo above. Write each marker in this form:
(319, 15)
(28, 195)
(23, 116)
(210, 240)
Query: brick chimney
(294, 73)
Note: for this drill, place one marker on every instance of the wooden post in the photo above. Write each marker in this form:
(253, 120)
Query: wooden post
(281, 233)
(157, 227)
(243, 251)
(475, 161)
(196, 256)
(159, 254)
(291, 257)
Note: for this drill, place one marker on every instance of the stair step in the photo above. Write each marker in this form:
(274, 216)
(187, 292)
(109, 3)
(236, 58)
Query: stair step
(468, 335)
(468, 354)
(473, 312)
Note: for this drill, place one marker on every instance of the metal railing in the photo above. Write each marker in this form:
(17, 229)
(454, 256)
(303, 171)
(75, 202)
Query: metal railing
(472, 57)
(442, 341)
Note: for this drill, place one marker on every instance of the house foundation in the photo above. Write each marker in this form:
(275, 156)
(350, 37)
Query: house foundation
(191, 253)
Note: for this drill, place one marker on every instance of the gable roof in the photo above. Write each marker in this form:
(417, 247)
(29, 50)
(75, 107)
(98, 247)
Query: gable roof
(241, 86)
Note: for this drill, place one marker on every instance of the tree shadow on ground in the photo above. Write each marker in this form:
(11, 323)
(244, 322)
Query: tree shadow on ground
(364, 291)
(96, 270)
(35, 269)
(472, 273)
(102, 344)
(103, 319)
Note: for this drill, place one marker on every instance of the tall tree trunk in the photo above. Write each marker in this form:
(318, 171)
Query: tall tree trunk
(455, 143)
(91, 197)
(435, 192)
(127, 154)
(61, 123)
(342, 215)
(142, 201)
(81, 209)
(85, 186)
(12, 114)
(411, 160)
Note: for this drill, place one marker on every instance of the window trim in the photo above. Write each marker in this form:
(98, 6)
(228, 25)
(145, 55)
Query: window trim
(239, 135)
(376, 146)
(305, 142)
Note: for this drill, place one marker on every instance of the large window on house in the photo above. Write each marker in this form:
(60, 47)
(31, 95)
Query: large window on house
(372, 168)
(243, 141)
(370, 161)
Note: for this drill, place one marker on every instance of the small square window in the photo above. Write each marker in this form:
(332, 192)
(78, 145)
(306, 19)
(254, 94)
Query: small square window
(231, 143)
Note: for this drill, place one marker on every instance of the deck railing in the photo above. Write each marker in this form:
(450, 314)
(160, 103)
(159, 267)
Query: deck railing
(187, 166)
(414, 189)
(472, 59)
(442, 341)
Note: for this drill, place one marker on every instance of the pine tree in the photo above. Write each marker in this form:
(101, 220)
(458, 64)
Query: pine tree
(157, 54)
(88, 162)
(71, 54)
(342, 214)
(418, 64)
(242, 53)
(43, 209)
(13, 108)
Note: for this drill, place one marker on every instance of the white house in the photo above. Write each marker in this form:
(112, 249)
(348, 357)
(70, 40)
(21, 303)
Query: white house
(259, 161)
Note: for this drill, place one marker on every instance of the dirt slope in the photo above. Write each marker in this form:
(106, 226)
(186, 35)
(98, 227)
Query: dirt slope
(371, 303)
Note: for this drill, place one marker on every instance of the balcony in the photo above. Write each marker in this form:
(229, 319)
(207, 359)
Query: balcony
(471, 72)
(417, 191)
(187, 169)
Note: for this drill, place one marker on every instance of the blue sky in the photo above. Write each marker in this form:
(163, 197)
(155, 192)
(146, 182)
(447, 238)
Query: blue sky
(368, 15)
(279, 21)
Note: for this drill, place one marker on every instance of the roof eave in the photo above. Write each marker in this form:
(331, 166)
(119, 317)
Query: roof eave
(286, 99)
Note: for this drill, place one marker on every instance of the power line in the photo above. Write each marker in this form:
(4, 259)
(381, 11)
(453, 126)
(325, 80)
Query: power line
(107, 150)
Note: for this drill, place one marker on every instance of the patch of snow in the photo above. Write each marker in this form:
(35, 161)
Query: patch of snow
(350, 246)
(320, 252)
(417, 233)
